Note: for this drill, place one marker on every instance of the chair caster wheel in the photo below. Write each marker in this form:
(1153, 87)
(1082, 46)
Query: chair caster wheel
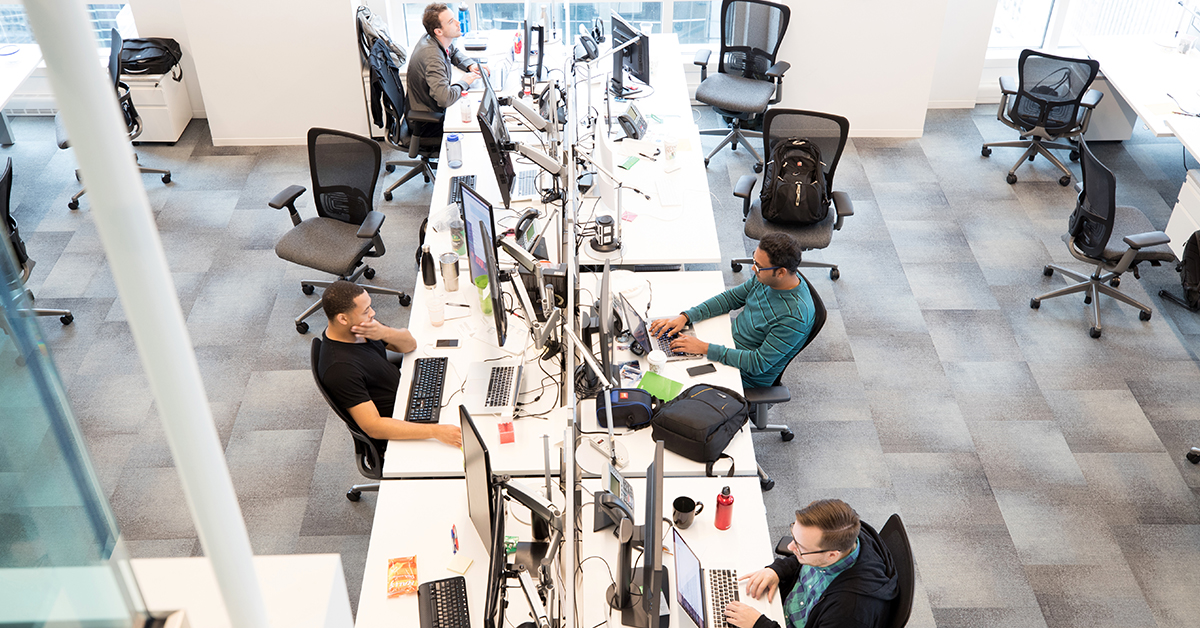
(405, 300)
(736, 267)
(986, 152)
(1087, 300)
(758, 167)
(387, 196)
(1074, 155)
(1011, 178)
(1094, 332)
(1034, 304)
(1064, 180)
(66, 319)
(1193, 456)
(353, 495)
(73, 205)
(787, 435)
(302, 327)
(1048, 271)
(1145, 316)
(1031, 157)
(766, 485)
(166, 178)
(1115, 282)
(390, 167)
(706, 162)
(170, 143)
(834, 274)
(369, 273)
(307, 288)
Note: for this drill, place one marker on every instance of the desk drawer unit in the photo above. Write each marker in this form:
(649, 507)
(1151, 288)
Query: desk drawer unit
(162, 103)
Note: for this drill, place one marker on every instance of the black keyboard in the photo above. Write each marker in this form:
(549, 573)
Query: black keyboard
(443, 603)
(425, 396)
(456, 186)
(500, 386)
(722, 589)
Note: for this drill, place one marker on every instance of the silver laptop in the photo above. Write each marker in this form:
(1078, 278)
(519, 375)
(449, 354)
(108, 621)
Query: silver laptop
(702, 593)
(493, 386)
(641, 332)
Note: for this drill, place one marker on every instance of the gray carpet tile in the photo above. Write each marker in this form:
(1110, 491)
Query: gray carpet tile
(1040, 471)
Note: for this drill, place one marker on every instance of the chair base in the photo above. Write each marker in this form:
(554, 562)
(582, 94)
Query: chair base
(734, 136)
(736, 266)
(355, 492)
(309, 286)
(758, 417)
(166, 178)
(1036, 146)
(1094, 285)
(421, 167)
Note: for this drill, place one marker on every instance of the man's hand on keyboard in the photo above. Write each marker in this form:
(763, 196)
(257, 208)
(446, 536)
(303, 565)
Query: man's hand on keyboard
(668, 326)
(740, 615)
(449, 434)
(689, 344)
(762, 581)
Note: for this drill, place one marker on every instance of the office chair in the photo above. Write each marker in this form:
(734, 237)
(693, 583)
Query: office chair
(133, 122)
(1049, 101)
(1092, 229)
(366, 454)
(829, 132)
(24, 263)
(345, 168)
(748, 78)
(389, 98)
(761, 399)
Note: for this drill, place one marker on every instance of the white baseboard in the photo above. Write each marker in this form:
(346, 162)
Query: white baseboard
(951, 104)
(261, 141)
(896, 133)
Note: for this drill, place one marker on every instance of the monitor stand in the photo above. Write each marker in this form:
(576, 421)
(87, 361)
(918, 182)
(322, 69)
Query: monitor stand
(635, 615)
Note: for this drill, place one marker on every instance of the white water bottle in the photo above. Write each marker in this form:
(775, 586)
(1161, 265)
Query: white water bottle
(464, 107)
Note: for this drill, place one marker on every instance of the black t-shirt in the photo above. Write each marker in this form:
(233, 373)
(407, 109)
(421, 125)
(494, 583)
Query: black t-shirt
(355, 373)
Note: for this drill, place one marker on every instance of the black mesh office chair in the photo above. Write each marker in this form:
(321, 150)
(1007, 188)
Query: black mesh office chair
(1049, 101)
(748, 78)
(366, 454)
(24, 263)
(829, 132)
(1114, 238)
(132, 120)
(391, 111)
(761, 399)
(345, 168)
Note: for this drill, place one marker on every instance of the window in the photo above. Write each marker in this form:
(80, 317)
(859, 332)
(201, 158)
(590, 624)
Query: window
(1054, 24)
(14, 28)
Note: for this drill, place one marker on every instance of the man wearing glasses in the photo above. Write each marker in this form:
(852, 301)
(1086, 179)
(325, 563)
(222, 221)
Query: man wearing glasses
(840, 574)
(777, 316)
(429, 86)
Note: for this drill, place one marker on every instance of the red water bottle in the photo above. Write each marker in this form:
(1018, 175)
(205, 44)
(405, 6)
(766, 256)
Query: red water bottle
(724, 509)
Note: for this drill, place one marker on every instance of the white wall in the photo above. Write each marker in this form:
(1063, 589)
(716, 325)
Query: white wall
(163, 18)
(271, 69)
(968, 25)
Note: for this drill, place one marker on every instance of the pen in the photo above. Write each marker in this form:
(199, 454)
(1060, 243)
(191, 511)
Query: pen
(1182, 113)
(454, 537)
(457, 305)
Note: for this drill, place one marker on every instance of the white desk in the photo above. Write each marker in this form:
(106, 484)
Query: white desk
(746, 546)
(14, 69)
(1144, 73)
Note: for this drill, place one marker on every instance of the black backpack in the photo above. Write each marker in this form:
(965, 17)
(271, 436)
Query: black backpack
(1189, 275)
(699, 423)
(793, 189)
(152, 55)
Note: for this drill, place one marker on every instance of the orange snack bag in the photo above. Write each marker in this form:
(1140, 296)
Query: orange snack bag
(402, 576)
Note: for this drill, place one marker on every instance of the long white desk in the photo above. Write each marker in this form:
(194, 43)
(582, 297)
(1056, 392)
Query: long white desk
(1144, 73)
(14, 69)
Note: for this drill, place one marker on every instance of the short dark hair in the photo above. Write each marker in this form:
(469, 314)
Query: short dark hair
(339, 297)
(838, 522)
(432, 18)
(782, 249)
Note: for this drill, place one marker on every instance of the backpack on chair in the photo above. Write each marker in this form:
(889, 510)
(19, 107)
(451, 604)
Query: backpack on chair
(1189, 275)
(793, 189)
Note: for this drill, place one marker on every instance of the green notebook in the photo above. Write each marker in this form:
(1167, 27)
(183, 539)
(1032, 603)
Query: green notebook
(659, 386)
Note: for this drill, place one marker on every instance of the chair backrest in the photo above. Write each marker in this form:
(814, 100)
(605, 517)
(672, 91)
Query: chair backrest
(386, 73)
(828, 131)
(895, 537)
(7, 220)
(1095, 211)
(345, 168)
(819, 316)
(1050, 90)
(751, 31)
(370, 461)
(133, 122)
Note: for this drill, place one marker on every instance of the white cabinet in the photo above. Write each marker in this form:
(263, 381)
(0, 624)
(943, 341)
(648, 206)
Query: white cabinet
(163, 104)
(1185, 218)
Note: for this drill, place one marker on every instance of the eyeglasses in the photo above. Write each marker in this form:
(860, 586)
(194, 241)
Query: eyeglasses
(797, 546)
(758, 269)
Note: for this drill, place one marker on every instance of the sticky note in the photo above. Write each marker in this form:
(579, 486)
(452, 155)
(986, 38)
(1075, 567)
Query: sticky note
(629, 163)
(460, 564)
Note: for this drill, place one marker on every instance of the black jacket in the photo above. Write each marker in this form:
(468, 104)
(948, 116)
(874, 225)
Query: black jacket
(860, 597)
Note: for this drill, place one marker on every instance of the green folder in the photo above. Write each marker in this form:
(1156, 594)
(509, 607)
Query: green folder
(659, 386)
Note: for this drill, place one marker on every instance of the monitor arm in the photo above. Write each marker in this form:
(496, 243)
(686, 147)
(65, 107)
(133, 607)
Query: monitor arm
(605, 383)
(540, 507)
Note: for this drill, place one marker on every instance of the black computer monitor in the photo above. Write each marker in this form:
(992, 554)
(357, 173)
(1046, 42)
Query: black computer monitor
(494, 289)
(634, 58)
(496, 140)
(476, 209)
(485, 507)
(644, 609)
(534, 70)
(606, 324)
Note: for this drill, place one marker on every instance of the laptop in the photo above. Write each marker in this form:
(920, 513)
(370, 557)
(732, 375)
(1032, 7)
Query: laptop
(702, 593)
(492, 387)
(640, 329)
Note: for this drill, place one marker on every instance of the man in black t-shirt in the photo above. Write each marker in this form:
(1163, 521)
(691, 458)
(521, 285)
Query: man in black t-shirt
(353, 367)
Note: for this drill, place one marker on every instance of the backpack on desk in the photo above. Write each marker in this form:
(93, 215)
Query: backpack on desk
(700, 422)
(794, 189)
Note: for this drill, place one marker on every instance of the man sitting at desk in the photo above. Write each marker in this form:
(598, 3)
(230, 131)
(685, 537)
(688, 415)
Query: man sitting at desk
(840, 576)
(429, 86)
(776, 318)
(354, 368)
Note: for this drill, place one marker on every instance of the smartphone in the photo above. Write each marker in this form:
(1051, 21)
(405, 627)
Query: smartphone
(447, 343)
(697, 371)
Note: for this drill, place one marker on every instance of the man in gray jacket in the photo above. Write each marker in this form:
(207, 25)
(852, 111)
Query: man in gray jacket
(429, 86)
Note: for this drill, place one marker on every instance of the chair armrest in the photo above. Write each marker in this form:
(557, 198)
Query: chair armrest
(395, 358)
(744, 186)
(782, 547)
(1008, 85)
(370, 226)
(1091, 98)
(701, 59)
(287, 198)
(770, 394)
(777, 71)
(844, 207)
(1143, 240)
(425, 116)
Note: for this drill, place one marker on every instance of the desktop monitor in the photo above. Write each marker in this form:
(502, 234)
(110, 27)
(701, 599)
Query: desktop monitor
(496, 140)
(644, 608)
(485, 507)
(536, 72)
(475, 209)
(493, 272)
(606, 324)
(634, 59)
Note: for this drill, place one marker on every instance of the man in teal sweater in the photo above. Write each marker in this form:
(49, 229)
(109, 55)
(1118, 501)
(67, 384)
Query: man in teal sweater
(777, 315)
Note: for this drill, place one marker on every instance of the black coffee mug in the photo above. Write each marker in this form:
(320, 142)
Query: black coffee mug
(686, 510)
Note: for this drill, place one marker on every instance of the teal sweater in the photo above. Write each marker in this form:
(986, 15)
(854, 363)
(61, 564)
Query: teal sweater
(772, 326)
